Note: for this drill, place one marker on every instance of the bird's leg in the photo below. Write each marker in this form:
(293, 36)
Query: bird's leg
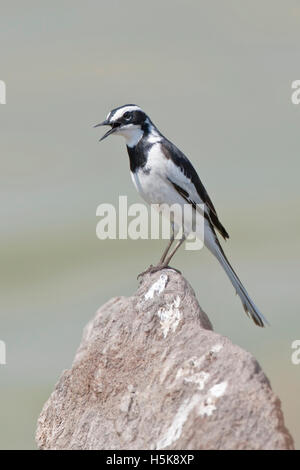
(165, 263)
(153, 269)
(178, 245)
(162, 259)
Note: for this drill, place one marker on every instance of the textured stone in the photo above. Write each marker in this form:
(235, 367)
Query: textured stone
(151, 374)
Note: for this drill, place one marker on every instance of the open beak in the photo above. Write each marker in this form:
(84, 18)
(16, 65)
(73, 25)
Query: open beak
(111, 131)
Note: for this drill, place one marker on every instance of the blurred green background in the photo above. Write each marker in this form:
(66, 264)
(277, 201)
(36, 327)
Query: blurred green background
(216, 79)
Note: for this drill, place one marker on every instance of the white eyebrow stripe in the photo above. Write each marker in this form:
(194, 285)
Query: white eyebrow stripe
(123, 110)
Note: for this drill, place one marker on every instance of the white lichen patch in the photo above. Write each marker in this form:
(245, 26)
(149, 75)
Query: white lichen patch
(157, 287)
(208, 405)
(199, 379)
(170, 316)
(216, 348)
(174, 431)
(219, 389)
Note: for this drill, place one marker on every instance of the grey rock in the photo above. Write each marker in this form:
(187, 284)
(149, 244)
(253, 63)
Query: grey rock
(151, 374)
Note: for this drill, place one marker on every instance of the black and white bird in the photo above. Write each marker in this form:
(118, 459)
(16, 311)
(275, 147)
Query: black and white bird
(163, 175)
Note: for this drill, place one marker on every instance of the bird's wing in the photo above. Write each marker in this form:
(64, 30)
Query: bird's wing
(186, 181)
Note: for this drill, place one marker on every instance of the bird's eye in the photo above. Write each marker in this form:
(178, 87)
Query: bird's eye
(127, 116)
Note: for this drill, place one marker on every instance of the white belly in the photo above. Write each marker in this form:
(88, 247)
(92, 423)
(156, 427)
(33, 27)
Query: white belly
(156, 190)
(152, 184)
(152, 188)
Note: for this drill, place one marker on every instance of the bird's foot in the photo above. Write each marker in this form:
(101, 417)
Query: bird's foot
(153, 269)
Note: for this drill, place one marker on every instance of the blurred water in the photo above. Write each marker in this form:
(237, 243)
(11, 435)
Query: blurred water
(216, 79)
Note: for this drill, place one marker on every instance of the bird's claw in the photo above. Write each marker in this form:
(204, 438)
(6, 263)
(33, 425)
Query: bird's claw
(153, 269)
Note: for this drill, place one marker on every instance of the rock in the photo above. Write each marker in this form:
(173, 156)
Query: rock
(151, 374)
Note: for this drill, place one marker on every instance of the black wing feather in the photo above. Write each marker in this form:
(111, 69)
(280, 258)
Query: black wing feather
(172, 152)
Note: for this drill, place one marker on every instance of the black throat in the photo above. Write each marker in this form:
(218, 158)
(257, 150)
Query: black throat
(138, 154)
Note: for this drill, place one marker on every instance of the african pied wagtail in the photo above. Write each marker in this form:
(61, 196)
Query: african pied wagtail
(163, 175)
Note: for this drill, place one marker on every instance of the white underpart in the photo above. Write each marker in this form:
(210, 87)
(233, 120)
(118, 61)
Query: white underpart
(155, 188)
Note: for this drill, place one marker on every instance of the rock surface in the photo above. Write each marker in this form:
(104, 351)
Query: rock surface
(151, 374)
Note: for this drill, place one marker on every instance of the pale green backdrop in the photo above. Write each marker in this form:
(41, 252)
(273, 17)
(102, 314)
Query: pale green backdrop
(216, 78)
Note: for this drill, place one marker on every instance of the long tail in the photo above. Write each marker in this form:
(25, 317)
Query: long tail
(212, 243)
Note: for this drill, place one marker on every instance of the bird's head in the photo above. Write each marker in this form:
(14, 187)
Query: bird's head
(129, 121)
